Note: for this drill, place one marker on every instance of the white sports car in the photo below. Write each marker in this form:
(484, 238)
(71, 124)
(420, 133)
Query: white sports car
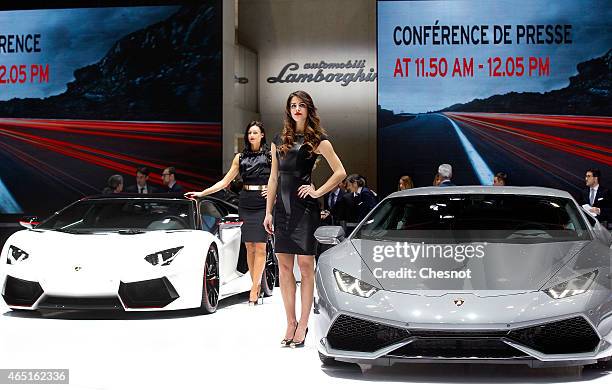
(132, 253)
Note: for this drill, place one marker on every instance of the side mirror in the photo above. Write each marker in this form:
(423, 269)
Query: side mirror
(29, 222)
(230, 221)
(329, 235)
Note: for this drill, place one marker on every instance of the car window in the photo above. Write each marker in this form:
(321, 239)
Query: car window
(123, 214)
(476, 216)
(210, 215)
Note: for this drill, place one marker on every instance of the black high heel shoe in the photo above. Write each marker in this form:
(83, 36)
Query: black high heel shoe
(294, 345)
(260, 297)
(286, 342)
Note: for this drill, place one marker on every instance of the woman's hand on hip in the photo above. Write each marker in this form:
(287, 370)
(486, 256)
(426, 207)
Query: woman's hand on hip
(308, 190)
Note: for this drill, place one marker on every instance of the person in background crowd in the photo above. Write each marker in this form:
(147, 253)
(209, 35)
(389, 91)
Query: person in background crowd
(254, 165)
(446, 173)
(436, 180)
(405, 183)
(115, 185)
(142, 185)
(334, 205)
(169, 180)
(595, 197)
(293, 197)
(364, 198)
(500, 179)
(348, 211)
(365, 184)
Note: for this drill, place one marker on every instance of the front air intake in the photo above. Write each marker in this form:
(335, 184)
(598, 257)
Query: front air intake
(355, 334)
(147, 294)
(19, 292)
(574, 335)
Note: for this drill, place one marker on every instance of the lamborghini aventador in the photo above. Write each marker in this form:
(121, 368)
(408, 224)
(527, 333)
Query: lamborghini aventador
(131, 253)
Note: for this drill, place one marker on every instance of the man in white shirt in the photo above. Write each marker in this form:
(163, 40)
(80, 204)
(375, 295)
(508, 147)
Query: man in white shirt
(333, 209)
(142, 183)
(595, 198)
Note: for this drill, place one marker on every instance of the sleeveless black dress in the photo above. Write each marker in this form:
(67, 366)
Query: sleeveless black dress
(254, 170)
(295, 218)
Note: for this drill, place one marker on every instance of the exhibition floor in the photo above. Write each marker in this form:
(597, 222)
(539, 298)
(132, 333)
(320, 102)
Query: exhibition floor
(237, 347)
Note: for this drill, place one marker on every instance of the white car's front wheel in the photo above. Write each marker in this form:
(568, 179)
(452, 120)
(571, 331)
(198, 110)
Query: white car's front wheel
(210, 281)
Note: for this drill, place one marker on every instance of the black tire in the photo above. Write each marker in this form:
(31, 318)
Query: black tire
(210, 281)
(269, 278)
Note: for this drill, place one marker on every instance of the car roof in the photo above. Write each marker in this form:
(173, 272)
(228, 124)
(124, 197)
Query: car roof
(495, 190)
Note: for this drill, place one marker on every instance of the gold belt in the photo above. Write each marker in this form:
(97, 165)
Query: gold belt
(254, 188)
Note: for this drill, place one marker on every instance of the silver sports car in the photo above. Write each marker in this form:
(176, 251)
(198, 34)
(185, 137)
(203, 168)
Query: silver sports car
(467, 274)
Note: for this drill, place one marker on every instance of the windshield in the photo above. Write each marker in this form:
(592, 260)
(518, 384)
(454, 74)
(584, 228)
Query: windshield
(124, 215)
(497, 218)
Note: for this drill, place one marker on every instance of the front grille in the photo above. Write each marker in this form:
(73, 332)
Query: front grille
(457, 333)
(355, 334)
(72, 303)
(574, 335)
(154, 293)
(19, 292)
(481, 348)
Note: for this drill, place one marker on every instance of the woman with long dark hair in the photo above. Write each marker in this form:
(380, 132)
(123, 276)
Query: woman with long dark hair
(296, 211)
(254, 165)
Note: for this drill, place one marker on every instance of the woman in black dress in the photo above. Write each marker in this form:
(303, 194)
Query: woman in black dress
(296, 211)
(254, 165)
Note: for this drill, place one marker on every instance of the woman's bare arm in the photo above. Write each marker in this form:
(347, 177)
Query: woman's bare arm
(221, 184)
(271, 195)
(327, 150)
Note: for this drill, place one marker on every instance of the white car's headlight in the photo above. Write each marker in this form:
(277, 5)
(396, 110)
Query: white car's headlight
(16, 255)
(572, 287)
(164, 257)
(354, 286)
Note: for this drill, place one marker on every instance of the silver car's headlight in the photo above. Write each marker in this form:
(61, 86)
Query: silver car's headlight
(354, 286)
(16, 255)
(572, 287)
(164, 257)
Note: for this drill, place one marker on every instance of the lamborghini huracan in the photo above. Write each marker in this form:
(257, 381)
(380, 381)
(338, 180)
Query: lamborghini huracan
(479, 274)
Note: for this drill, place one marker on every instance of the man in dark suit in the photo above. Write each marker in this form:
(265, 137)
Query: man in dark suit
(142, 185)
(597, 197)
(445, 171)
(334, 206)
(364, 199)
(169, 180)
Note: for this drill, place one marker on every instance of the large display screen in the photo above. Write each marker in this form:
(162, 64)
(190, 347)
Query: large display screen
(514, 86)
(86, 93)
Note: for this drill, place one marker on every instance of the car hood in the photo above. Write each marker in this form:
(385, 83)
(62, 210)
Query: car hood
(50, 248)
(502, 269)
